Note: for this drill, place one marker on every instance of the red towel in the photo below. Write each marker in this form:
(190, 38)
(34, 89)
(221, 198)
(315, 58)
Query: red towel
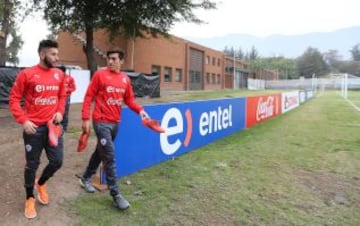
(153, 124)
(83, 140)
(55, 131)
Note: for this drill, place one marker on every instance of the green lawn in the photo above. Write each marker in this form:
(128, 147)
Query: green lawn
(301, 168)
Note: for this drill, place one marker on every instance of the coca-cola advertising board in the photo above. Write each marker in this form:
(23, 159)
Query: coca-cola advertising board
(262, 108)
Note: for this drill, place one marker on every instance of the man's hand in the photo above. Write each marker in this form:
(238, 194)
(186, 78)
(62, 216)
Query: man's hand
(144, 115)
(57, 118)
(86, 125)
(29, 127)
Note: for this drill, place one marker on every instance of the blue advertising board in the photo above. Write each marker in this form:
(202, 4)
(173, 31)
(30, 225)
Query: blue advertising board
(188, 125)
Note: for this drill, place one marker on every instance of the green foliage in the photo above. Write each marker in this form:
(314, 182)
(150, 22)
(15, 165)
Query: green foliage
(253, 54)
(355, 52)
(286, 67)
(12, 12)
(13, 48)
(350, 67)
(312, 62)
(336, 65)
(10, 41)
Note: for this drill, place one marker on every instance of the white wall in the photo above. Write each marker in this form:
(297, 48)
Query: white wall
(82, 80)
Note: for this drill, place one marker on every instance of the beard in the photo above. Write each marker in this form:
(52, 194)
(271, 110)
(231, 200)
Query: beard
(48, 63)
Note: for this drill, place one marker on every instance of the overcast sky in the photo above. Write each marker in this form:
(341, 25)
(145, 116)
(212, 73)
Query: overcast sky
(254, 17)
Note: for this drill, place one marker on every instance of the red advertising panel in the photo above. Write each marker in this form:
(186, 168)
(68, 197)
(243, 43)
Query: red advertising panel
(262, 108)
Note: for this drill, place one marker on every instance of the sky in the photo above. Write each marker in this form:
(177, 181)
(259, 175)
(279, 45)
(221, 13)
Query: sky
(254, 17)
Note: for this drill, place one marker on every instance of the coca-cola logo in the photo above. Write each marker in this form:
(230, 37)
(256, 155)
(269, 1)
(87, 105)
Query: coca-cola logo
(266, 108)
(46, 100)
(112, 101)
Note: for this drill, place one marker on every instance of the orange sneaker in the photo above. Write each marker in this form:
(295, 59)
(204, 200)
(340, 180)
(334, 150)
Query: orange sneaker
(42, 196)
(30, 211)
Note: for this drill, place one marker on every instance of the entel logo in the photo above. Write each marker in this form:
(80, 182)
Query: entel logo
(209, 122)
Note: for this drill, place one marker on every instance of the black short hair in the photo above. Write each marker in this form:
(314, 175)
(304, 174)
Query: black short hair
(47, 43)
(120, 52)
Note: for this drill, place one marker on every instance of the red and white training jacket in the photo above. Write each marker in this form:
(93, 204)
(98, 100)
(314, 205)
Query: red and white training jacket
(43, 91)
(70, 85)
(110, 90)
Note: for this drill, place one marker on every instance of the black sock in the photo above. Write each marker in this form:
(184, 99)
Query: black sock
(30, 192)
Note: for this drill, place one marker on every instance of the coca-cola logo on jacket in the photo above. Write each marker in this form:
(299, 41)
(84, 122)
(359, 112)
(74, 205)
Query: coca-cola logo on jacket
(112, 101)
(46, 100)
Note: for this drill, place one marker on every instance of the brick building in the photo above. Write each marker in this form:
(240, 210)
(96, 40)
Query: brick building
(181, 64)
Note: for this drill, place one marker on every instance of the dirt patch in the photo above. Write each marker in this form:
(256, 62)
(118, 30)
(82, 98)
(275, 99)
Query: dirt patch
(62, 187)
(333, 189)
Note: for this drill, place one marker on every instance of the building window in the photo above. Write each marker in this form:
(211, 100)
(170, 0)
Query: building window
(155, 69)
(218, 79)
(207, 60)
(195, 77)
(213, 78)
(213, 61)
(208, 78)
(219, 62)
(167, 74)
(198, 77)
(178, 75)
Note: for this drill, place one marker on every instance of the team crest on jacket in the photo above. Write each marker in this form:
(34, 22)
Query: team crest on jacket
(103, 141)
(28, 147)
(56, 76)
(124, 80)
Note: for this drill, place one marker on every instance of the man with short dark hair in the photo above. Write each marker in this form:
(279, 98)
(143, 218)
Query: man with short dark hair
(42, 87)
(109, 88)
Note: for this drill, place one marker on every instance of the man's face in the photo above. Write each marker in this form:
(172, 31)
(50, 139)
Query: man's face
(114, 63)
(49, 57)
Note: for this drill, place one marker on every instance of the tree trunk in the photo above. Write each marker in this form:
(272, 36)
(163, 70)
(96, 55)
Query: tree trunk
(4, 32)
(89, 50)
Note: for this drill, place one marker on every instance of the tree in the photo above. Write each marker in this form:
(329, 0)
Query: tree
(350, 67)
(285, 67)
(130, 18)
(333, 59)
(253, 54)
(240, 54)
(10, 41)
(13, 48)
(311, 62)
(355, 52)
(230, 51)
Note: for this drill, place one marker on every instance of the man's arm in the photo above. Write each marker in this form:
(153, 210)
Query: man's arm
(58, 116)
(15, 97)
(88, 98)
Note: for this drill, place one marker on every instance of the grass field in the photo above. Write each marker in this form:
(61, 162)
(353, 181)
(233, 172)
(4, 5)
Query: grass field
(354, 97)
(301, 168)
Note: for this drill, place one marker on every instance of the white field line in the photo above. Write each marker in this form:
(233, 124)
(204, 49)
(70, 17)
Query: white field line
(352, 104)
